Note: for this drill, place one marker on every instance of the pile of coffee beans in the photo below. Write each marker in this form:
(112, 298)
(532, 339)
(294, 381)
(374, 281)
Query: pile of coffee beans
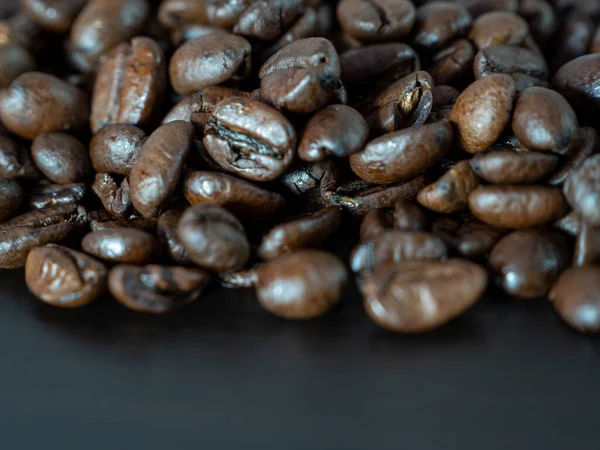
(153, 150)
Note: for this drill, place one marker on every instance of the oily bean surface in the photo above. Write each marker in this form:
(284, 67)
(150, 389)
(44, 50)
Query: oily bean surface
(57, 194)
(61, 157)
(121, 245)
(509, 167)
(439, 23)
(576, 298)
(450, 193)
(114, 148)
(582, 190)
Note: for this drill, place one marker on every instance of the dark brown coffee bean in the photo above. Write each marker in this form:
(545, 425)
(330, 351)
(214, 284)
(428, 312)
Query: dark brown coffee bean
(63, 277)
(576, 297)
(62, 158)
(419, 296)
(208, 61)
(37, 102)
(480, 7)
(498, 27)
(336, 130)
(587, 145)
(409, 217)
(181, 111)
(509, 167)
(574, 38)
(242, 198)
(582, 190)
(527, 262)
(20, 29)
(302, 76)
(121, 245)
(225, 13)
(114, 148)
(115, 196)
(250, 139)
(14, 61)
(101, 26)
(244, 278)
(444, 98)
(166, 232)
(213, 238)
(52, 15)
(372, 20)
(266, 20)
(470, 238)
(517, 206)
(156, 289)
(453, 65)
(306, 231)
(204, 102)
(577, 80)
(376, 223)
(15, 160)
(176, 13)
(11, 198)
(138, 224)
(451, 192)
(542, 20)
(439, 23)
(403, 154)
(482, 111)
(301, 285)
(130, 85)
(587, 246)
(569, 224)
(52, 215)
(156, 171)
(56, 194)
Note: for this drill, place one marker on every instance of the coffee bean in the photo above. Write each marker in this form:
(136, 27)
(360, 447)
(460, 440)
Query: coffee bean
(509, 167)
(204, 102)
(63, 277)
(54, 16)
(376, 223)
(14, 61)
(138, 224)
(517, 206)
(184, 33)
(15, 160)
(543, 23)
(587, 246)
(469, 237)
(482, 111)
(11, 198)
(115, 197)
(569, 224)
(175, 13)
(56, 194)
(574, 38)
(181, 111)
(444, 98)
(266, 20)
(166, 232)
(213, 238)
(244, 278)
(480, 7)
(225, 13)
(453, 64)
(250, 139)
(409, 217)
(301, 285)
(403, 154)
(121, 245)
(130, 85)
(209, 60)
(155, 173)
(577, 80)
(52, 215)
(114, 148)
(37, 102)
(582, 190)
(451, 191)
(62, 158)
(439, 23)
(498, 27)
(587, 145)
(156, 289)
(419, 296)
(576, 297)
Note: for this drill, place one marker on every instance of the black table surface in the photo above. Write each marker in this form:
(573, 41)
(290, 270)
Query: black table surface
(224, 374)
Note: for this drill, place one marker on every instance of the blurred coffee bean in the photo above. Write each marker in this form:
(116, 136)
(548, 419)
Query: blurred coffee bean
(450, 193)
(439, 23)
(265, 20)
(166, 232)
(577, 80)
(14, 61)
(510, 167)
(453, 65)
(121, 245)
(52, 15)
(176, 13)
(62, 158)
(11, 198)
(582, 190)
(57, 194)
(587, 246)
(498, 27)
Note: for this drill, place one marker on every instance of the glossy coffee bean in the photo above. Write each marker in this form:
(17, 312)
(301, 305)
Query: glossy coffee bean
(156, 171)
(121, 245)
(301, 77)
(250, 139)
(61, 158)
(482, 111)
(56, 194)
(52, 15)
(138, 224)
(238, 279)
(37, 102)
(498, 27)
(419, 296)
(450, 193)
(130, 85)
(242, 198)
(375, 223)
(204, 102)
(101, 26)
(176, 13)
(526, 263)
(114, 148)
(588, 144)
(576, 298)
(587, 246)
(14, 61)
(578, 82)
(15, 160)
(480, 7)
(209, 60)
(265, 20)
(11, 198)
(306, 231)
(166, 232)
(225, 13)
(213, 238)
(469, 238)
(409, 217)
(38, 218)
(439, 23)
(582, 190)
(517, 206)
(301, 285)
(63, 277)
(543, 21)
(114, 195)
(403, 154)
(509, 167)
(569, 224)
(376, 20)
(453, 65)
(156, 289)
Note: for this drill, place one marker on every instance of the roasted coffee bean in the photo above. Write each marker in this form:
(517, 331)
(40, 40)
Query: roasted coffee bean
(526, 263)
(181, 111)
(301, 77)
(451, 192)
(204, 102)
(63, 277)
(576, 298)
(306, 231)
(15, 160)
(444, 98)
(304, 181)
(52, 15)
(587, 246)
(301, 285)
(213, 238)
(419, 296)
(244, 278)
(482, 111)
(376, 20)
(138, 224)
(510, 167)
(480, 7)
(101, 26)
(62, 158)
(175, 13)
(14, 61)
(115, 197)
(498, 27)
(544, 120)
(569, 224)
(396, 246)
(409, 217)
(574, 38)
(121, 245)
(582, 190)
(336, 130)
(542, 20)
(156, 289)
(250, 139)
(517, 206)
(577, 80)
(11, 198)
(403, 154)
(470, 238)
(439, 23)
(225, 13)
(453, 65)
(130, 85)
(114, 148)
(56, 194)
(242, 198)
(37, 102)
(156, 171)
(20, 29)
(209, 60)
(587, 145)
(166, 232)
(266, 20)
(375, 223)
(39, 218)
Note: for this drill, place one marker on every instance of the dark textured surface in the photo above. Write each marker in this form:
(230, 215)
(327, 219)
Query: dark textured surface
(224, 374)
